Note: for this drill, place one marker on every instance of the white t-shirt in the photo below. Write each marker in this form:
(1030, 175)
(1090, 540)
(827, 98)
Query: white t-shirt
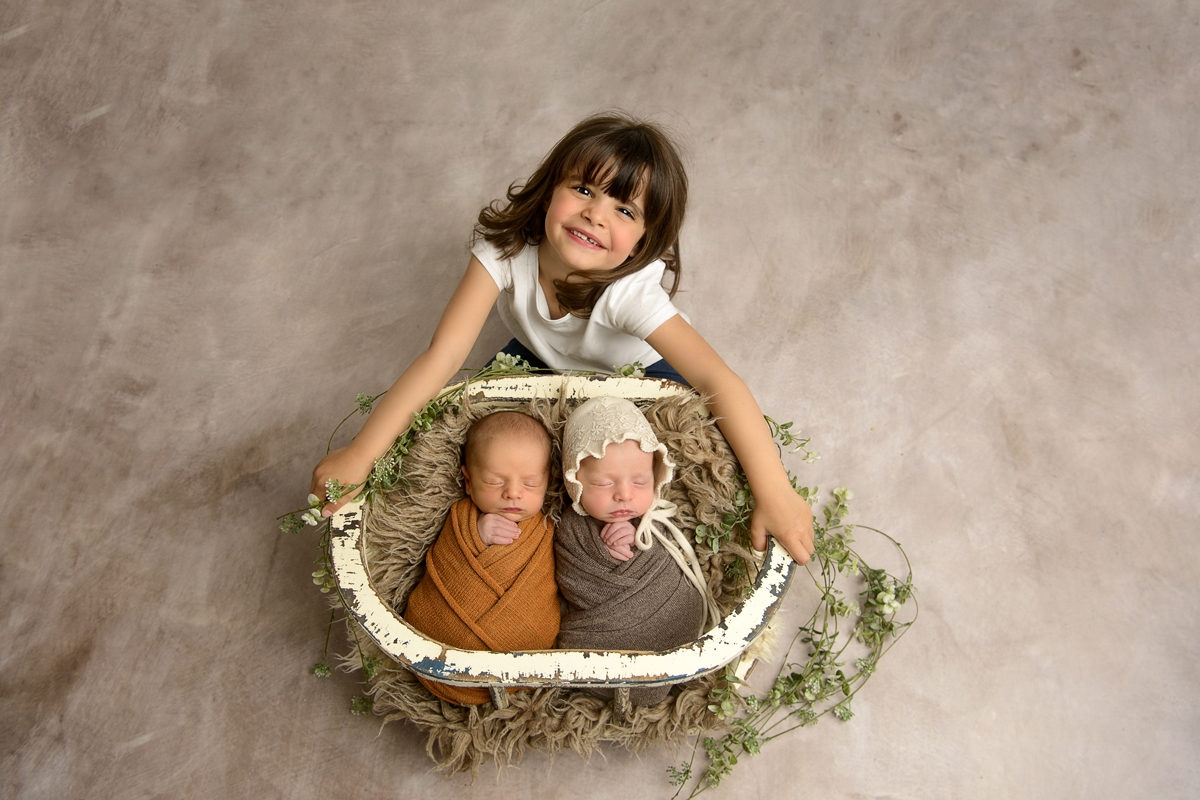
(628, 311)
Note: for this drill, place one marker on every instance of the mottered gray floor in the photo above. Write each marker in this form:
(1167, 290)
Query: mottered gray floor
(956, 243)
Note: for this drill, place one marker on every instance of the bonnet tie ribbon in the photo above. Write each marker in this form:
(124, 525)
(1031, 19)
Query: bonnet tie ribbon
(680, 549)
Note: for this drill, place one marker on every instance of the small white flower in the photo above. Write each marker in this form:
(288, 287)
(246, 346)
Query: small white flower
(314, 501)
(633, 370)
(311, 517)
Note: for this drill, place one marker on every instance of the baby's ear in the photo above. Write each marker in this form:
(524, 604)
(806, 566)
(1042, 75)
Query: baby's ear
(466, 479)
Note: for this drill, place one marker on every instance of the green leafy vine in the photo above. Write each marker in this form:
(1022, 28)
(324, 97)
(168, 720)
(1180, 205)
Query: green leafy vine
(830, 658)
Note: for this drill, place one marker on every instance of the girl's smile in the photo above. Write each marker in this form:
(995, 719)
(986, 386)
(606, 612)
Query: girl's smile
(585, 239)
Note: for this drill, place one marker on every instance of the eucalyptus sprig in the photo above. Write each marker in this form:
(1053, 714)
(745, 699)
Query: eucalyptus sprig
(782, 433)
(830, 658)
(737, 518)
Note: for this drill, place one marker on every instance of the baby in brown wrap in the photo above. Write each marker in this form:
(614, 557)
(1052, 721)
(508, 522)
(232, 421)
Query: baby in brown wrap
(630, 577)
(489, 577)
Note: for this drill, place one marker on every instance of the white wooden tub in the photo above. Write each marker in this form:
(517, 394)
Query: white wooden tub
(621, 669)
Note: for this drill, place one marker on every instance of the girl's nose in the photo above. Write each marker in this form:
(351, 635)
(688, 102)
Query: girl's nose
(512, 489)
(622, 492)
(593, 212)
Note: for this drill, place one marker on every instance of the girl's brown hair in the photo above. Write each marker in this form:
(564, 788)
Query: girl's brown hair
(621, 155)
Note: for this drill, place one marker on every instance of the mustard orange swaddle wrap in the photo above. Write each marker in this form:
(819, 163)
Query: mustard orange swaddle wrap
(499, 598)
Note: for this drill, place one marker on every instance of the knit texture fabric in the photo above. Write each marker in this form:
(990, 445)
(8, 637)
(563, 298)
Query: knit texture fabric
(644, 603)
(500, 598)
(589, 431)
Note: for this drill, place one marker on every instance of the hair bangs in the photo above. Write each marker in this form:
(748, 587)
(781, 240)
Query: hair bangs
(620, 165)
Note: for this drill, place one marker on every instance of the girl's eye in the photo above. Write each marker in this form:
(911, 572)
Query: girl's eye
(583, 190)
(627, 212)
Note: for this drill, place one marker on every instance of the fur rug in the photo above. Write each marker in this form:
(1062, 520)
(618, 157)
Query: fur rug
(399, 530)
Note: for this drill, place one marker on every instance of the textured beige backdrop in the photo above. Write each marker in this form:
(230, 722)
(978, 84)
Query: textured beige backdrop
(957, 242)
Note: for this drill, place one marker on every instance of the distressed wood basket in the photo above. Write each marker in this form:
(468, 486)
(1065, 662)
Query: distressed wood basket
(621, 670)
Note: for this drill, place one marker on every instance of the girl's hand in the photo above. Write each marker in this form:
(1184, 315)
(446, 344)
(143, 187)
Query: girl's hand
(618, 538)
(784, 515)
(344, 465)
(452, 342)
(778, 510)
(495, 529)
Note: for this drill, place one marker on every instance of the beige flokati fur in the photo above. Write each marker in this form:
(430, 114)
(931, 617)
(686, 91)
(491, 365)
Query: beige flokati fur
(398, 531)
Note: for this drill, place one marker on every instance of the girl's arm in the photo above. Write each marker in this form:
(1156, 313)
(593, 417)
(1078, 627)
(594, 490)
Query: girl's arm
(778, 509)
(429, 372)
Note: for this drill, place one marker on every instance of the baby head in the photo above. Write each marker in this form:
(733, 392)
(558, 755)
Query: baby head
(614, 467)
(506, 464)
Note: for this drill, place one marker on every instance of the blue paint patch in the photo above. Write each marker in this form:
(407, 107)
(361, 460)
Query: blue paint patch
(432, 667)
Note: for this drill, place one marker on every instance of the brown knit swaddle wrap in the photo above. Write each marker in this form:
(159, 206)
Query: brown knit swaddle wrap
(644, 603)
(500, 598)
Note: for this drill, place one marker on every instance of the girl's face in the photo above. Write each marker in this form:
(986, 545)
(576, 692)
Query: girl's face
(587, 230)
(619, 486)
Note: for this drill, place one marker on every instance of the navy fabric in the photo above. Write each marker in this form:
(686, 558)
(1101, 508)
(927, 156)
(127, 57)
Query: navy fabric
(659, 369)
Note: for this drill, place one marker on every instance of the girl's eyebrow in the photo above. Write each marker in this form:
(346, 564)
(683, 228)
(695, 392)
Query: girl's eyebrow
(637, 208)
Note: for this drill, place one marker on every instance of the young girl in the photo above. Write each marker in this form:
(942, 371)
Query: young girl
(576, 258)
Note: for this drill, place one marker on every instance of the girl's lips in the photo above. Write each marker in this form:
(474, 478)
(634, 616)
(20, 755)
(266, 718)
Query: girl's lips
(583, 239)
(623, 512)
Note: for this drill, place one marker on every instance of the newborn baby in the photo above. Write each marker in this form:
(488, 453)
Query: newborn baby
(489, 577)
(630, 578)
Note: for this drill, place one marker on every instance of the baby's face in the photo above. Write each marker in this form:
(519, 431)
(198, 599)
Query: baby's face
(508, 475)
(619, 486)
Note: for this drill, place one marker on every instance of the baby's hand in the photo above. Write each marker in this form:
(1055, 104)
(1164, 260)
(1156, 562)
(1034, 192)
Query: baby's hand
(618, 538)
(495, 529)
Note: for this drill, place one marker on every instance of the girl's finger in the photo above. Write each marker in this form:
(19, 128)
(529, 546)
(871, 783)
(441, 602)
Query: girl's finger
(758, 536)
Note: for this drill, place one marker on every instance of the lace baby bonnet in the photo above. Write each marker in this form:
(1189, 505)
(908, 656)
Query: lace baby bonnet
(602, 421)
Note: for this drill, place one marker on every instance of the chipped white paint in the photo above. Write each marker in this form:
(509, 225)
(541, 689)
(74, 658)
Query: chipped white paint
(409, 647)
(572, 387)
